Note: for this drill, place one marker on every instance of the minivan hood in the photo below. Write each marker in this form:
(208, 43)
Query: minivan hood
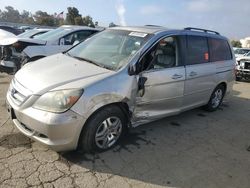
(54, 71)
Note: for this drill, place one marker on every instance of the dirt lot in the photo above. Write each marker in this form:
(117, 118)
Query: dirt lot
(194, 149)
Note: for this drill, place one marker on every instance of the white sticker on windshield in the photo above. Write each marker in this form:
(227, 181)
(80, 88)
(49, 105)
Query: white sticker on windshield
(137, 34)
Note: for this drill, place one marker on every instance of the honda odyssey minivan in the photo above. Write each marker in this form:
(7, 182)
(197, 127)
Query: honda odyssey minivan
(122, 77)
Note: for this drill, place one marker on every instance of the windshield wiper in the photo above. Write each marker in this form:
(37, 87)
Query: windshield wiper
(89, 61)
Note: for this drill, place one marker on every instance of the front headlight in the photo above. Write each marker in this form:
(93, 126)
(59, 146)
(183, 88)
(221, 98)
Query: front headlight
(58, 101)
(242, 63)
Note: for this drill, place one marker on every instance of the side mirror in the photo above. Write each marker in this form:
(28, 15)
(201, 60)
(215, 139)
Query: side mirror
(141, 86)
(62, 41)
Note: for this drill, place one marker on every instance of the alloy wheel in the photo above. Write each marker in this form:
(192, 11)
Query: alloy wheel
(108, 132)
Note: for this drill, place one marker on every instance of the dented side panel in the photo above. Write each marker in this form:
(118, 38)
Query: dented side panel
(163, 94)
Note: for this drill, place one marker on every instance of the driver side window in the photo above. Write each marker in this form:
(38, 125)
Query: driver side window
(162, 55)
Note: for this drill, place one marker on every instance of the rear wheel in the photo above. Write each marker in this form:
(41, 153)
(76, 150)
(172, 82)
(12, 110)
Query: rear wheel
(103, 130)
(216, 98)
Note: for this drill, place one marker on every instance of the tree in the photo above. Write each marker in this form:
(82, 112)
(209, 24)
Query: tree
(112, 24)
(10, 15)
(43, 18)
(236, 43)
(88, 21)
(26, 17)
(78, 20)
(72, 14)
(74, 18)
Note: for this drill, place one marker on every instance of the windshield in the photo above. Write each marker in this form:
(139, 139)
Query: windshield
(241, 51)
(54, 34)
(111, 49)
(248, 54)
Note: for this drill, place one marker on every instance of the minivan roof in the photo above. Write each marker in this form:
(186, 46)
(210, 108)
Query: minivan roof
(145, 29)
(152, 29)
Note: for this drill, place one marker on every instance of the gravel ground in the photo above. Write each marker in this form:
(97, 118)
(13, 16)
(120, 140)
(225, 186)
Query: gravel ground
(194, 149)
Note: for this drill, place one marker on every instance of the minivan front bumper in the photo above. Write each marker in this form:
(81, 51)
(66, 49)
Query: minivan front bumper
(59, 132)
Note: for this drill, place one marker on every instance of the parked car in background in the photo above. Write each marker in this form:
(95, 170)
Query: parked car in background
(58, 40)
(10, 29)
(119, 78)
(241, 52)
(10, 59)
(3, 35)
(19, 51)
(243, 67)
(33, 33)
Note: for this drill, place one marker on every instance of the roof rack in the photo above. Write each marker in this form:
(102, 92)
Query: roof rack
(199, 29)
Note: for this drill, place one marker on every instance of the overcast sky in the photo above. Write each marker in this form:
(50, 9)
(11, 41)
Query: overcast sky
(231, 18)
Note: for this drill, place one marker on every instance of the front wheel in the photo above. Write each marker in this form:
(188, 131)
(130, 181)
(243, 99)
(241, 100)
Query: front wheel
(103, 130)
(216, 98)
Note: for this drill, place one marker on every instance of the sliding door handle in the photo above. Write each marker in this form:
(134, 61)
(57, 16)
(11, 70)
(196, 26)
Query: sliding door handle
(176, 76)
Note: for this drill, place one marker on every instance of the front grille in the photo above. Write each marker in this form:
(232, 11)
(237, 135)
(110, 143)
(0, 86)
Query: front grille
(247, 65)
(18, 93)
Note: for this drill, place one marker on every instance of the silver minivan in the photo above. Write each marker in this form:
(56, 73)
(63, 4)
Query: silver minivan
(122, 77)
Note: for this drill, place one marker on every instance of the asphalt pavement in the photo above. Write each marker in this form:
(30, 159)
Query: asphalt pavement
(194, 149)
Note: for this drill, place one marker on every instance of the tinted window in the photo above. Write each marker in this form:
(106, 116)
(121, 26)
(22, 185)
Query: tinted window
(219, 50)
(197, 51)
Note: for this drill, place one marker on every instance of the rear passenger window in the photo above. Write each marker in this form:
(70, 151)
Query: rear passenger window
(219, 50)
(197, 51)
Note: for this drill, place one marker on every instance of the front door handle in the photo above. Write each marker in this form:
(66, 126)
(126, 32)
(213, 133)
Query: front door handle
(193, 73)
(176, 76)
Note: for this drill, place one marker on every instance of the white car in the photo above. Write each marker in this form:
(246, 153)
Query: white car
(19, 51)
(58, 40)
(243, 67)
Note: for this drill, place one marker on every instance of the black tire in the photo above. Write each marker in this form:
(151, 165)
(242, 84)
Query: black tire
(87, 141)
(212, 105)
(238, 78)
